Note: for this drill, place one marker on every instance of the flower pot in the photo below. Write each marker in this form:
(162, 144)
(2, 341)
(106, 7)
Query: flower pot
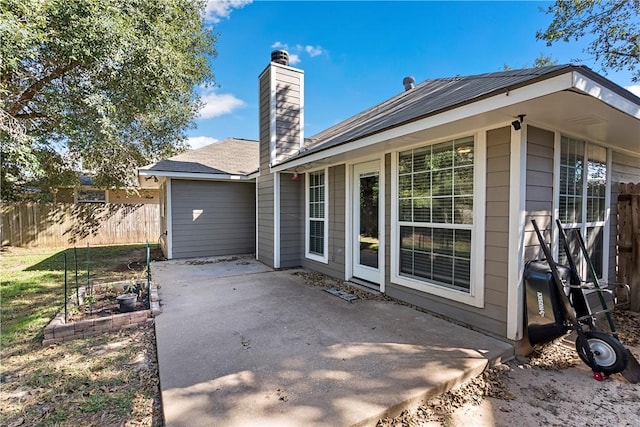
(127, 302)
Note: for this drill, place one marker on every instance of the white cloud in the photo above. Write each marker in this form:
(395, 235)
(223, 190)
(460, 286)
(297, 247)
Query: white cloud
(218, 104)
(279, 45)
(200, 141)
(294, 59)
(296, 52)
(313, 50)
(215, 10)
(634, 89)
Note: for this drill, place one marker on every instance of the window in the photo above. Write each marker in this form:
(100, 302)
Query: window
(435, 213)
(582, 199)
(316, 216)
(92, 196)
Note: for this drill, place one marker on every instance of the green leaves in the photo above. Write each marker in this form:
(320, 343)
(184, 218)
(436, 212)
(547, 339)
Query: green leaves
(110, 82)
(612, 26)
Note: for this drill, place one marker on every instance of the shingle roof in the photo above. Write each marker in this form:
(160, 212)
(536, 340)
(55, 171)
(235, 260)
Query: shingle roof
(429, 98)
(229, 157)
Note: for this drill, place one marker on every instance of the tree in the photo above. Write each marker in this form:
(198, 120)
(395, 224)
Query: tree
(614, 27)
(544, 61)
(541, 61)
(106, 85)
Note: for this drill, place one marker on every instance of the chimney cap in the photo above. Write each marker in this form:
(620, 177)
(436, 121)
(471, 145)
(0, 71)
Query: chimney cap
(408, 82)
(280, 56)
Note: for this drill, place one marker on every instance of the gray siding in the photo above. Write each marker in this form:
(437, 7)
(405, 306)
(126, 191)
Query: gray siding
(624, 169)
(288, 111)
(287, 124)
(264, 99)
(226, 224)
(539, 189)
(265, 219)
(491, 318)
(335, 267)
(291, 221)
(288, 114)
(163, 219)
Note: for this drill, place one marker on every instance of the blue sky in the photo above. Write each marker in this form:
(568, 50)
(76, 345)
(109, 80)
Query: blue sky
(355, 54)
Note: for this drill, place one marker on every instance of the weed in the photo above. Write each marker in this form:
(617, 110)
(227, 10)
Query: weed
(75, 382)
(100, 402)
(96, 403)
(42, 377)
(55, 419)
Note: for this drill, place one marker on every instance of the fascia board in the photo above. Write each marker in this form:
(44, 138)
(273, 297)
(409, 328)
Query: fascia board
(196, 176)
(592, 88)
(505, 99)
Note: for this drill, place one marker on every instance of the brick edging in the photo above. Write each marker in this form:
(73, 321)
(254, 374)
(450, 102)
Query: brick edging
(58, 331)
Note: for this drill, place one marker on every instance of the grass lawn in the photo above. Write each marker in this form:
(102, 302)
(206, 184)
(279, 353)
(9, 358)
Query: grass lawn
(105, 380)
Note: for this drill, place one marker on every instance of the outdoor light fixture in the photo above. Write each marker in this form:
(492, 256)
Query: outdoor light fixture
(517, 124)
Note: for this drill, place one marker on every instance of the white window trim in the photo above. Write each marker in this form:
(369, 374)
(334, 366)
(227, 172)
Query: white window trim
(315, 257)
(606, 245)
(348, 235)
(475, 296)
(169, 221)
(517, 222)
(257, 218)
(584, 225)
(276, 220)
(557, 158)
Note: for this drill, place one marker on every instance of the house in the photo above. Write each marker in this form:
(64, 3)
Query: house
(87, 192)
(208, 199)
(427, 197)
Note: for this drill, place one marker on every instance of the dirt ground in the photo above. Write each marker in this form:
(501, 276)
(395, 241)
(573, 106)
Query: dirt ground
(568, 397)
(552, 388)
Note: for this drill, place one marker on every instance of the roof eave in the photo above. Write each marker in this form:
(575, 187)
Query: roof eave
(613, 95)
(195, 175)
(571, 77)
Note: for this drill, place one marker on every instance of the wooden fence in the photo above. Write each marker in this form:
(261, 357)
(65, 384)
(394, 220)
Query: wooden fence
(629, 241)
(51, 225)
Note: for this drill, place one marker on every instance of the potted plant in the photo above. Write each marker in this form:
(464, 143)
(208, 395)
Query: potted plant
(127, 300)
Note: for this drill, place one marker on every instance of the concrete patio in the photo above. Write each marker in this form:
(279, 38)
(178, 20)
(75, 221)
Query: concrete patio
(242, 345)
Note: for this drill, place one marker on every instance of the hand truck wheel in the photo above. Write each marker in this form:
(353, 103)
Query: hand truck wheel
(609, 354)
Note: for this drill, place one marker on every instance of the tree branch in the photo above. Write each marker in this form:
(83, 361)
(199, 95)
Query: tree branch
(618, 53)
(27, 116)
(35, 88)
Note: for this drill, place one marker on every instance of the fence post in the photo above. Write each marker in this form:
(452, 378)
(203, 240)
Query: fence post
(88, 279)
(148, 267)
(75, 260)
(629, 241)
(634, 276)
(66, 316)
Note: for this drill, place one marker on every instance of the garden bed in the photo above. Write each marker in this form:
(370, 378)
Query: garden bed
(99, 313)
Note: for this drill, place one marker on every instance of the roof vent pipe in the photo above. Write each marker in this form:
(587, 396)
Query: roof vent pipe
(280, 57)
(408, 82)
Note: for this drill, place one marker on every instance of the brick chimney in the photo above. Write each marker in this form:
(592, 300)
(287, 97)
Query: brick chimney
(281, 97)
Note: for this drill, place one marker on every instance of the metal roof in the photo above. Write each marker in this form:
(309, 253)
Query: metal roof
(429, 98)
(228, 157)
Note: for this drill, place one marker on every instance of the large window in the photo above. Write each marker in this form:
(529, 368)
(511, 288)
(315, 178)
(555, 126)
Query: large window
(316, 216)
(582, 198)
(435, 213)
